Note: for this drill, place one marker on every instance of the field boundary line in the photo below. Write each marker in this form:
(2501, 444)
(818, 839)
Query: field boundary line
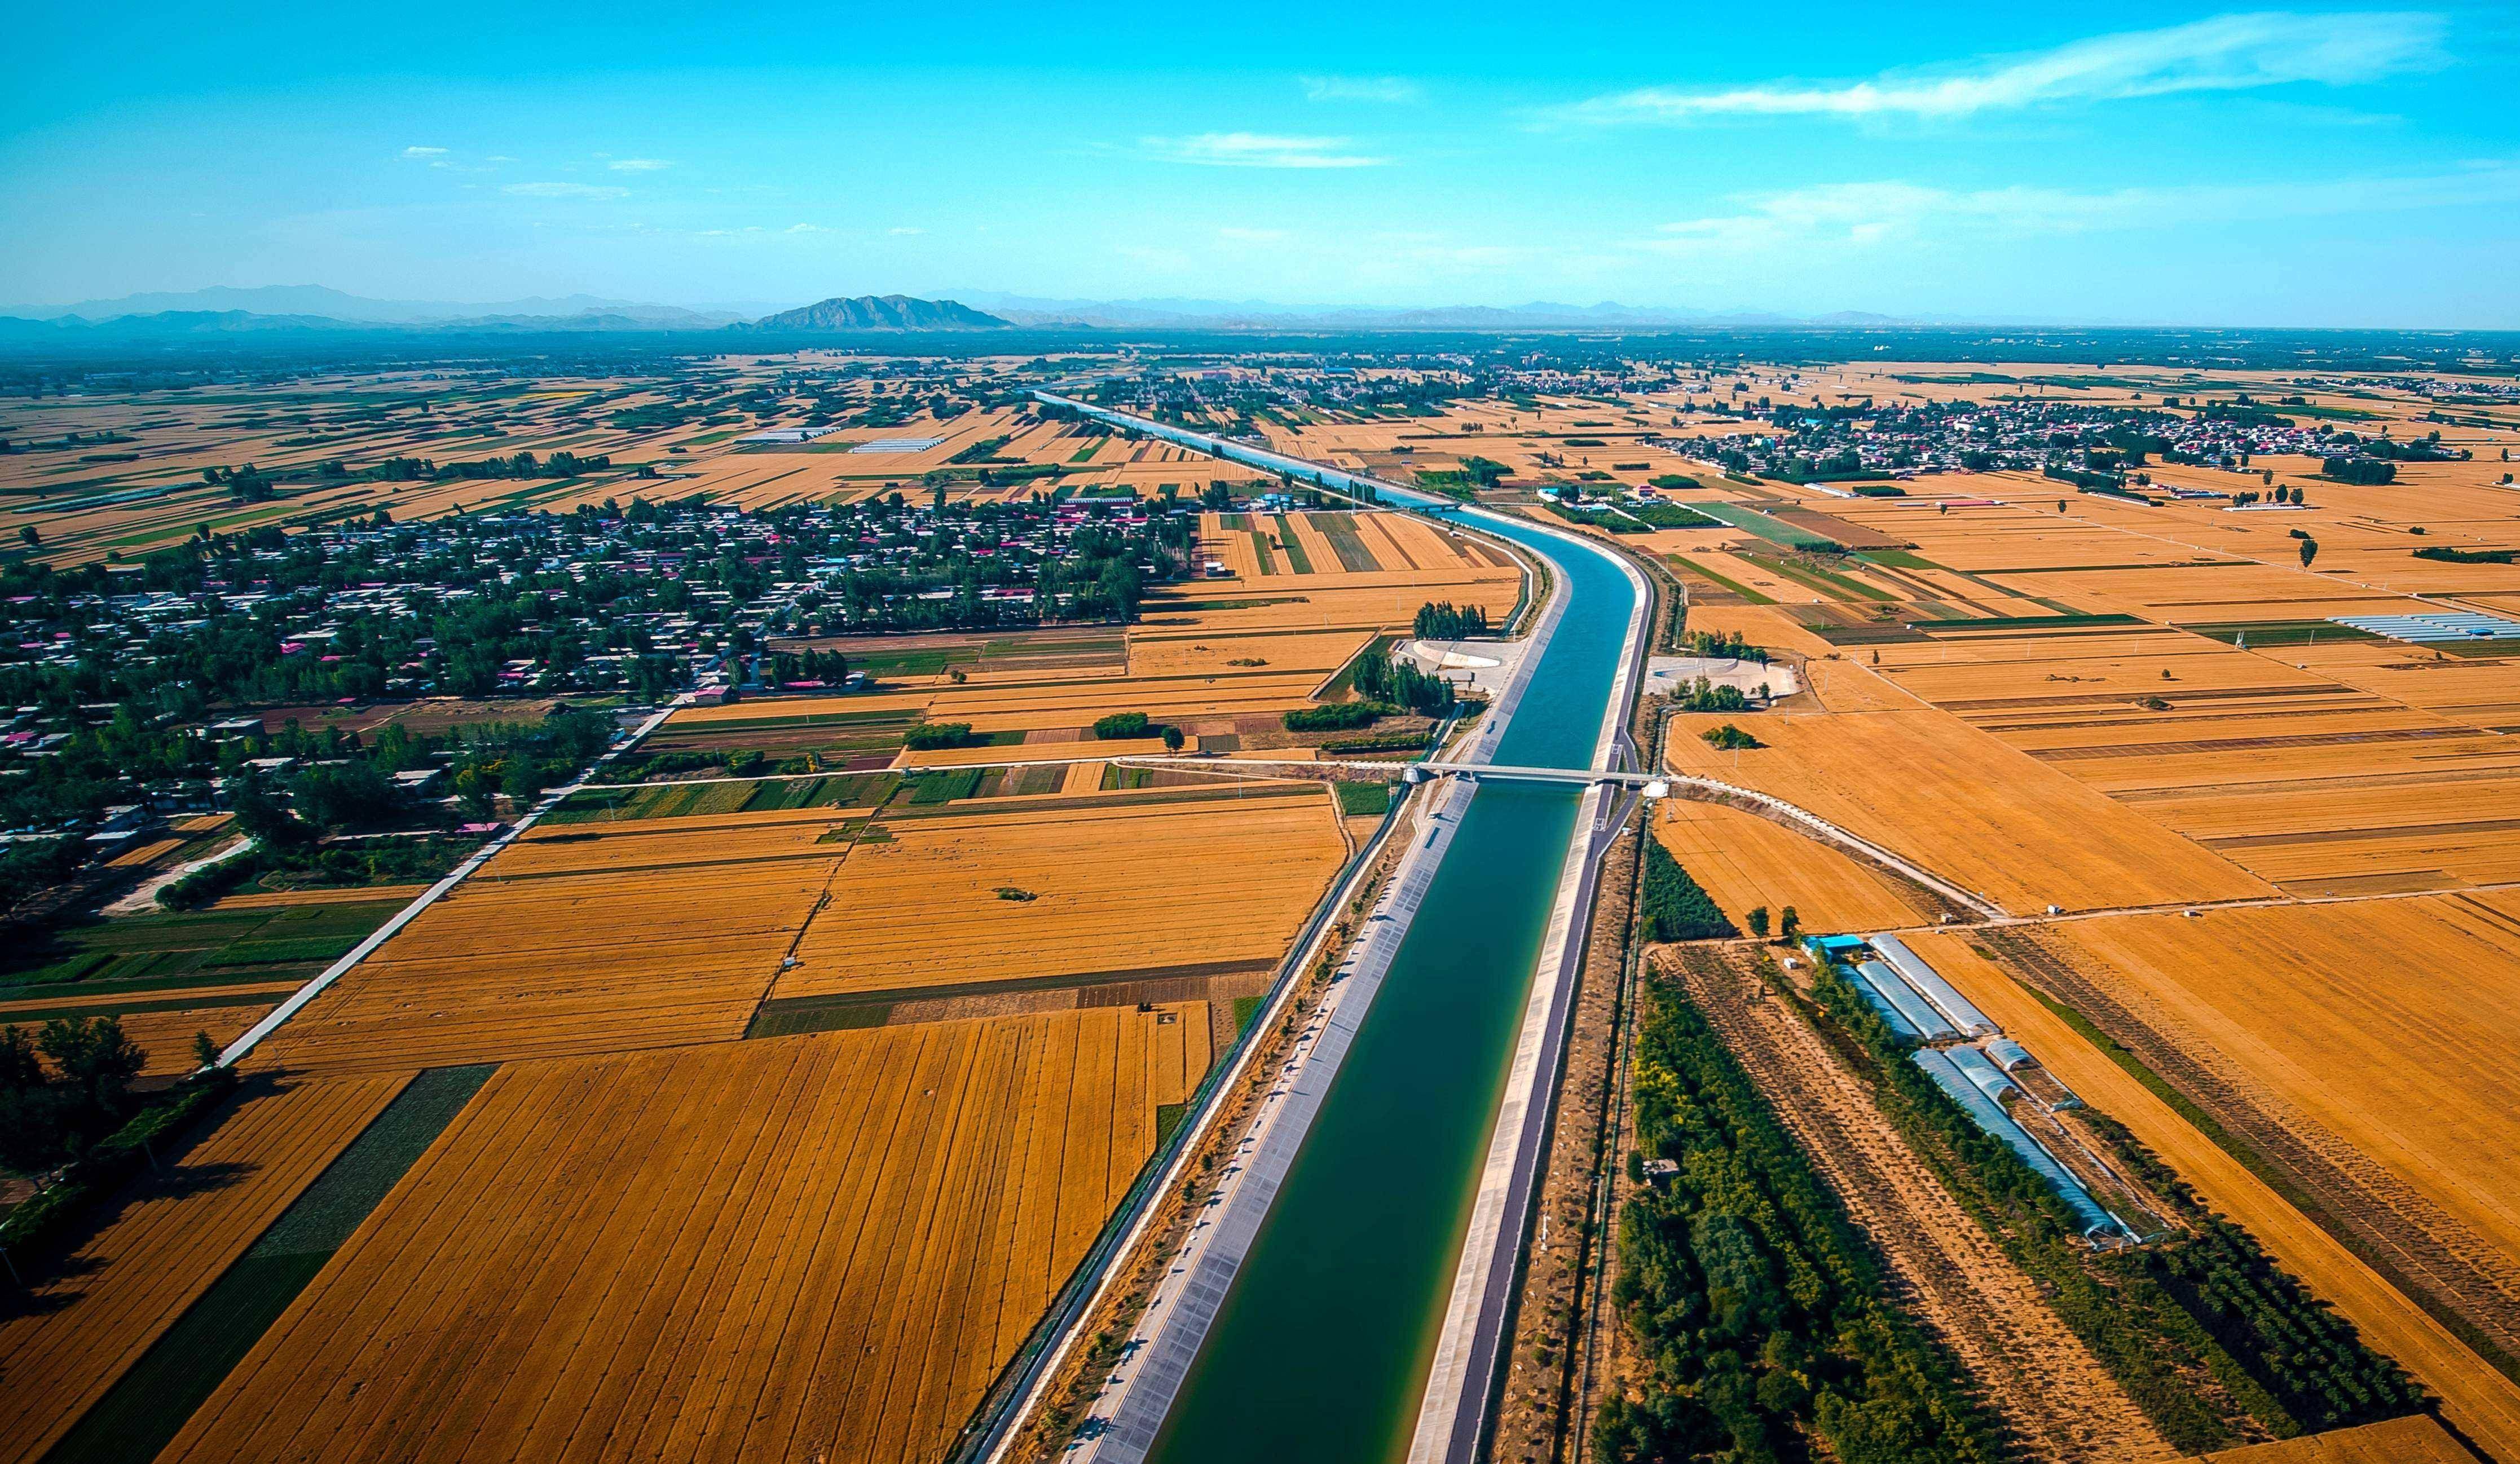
(279, 1016)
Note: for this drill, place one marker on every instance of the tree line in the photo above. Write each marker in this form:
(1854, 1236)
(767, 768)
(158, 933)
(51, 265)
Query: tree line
(1760, 1315)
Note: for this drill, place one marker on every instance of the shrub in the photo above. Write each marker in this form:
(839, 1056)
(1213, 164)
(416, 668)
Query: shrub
(1121, 725)
(931, 735)
(56, 1210)
(1727, 737)
(1337, 716)
(1703, 695)
(1674, 516)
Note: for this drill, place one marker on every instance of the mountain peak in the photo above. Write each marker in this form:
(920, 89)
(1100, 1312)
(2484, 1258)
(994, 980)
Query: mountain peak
(882, 312)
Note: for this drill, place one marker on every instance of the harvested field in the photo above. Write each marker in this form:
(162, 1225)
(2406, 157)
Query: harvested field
(1111, 885)
(582, 939)
(2280, 1022)
(66, 1343)
(2413, 1439)
(1744, 861)
(2028, 1367)
(1963, 804)
(2481, 1401)
(827, 1246)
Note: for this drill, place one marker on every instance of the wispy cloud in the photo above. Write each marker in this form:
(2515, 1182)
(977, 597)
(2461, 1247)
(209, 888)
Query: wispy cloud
(2226, 53)
(904, 231)
(424, 152)
(809, 229)
(1393, 89)
(563, 191)
(1238, 234)
(1258, 150)
(1857, 215)
(639, 164)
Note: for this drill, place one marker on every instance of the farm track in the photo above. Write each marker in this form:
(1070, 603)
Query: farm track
(2051, 1396)
(2428, 1252)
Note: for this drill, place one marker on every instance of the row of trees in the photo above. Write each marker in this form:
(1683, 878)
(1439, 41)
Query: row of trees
(2365, 471)
(1761, 1317)
(1672, 905)
(1728, 645)
(829, 667)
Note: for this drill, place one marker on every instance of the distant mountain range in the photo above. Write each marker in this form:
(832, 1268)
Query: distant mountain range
(1255, 315)
(318, 302)
(313, 309)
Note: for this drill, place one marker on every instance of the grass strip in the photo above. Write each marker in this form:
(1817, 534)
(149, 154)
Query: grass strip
(1296, 560)
(1834, 586)
(1704, 573)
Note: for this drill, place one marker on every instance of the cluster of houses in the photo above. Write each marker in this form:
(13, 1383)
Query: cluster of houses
(803, 558)
(1907, 441)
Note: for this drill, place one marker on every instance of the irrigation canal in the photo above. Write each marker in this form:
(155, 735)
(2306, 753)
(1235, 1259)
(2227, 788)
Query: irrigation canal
(1323, 1347)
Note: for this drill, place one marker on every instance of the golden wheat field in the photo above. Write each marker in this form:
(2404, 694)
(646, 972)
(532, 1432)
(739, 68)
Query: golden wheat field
(2322, 1006)
(581, 938)
(128, 1282)
(2311, 781)
(802, 1248)
(1093, 891)
(2480, 1401)
(1958, 800)
(1746, 862)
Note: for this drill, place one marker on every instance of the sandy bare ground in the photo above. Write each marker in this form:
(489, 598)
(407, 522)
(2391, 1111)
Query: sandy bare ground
(2030, 1370)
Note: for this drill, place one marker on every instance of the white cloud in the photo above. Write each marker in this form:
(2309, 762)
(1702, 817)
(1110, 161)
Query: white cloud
(424, 152)
(563, 191)
(904, 231)
(2226, 53)
(1257, 149)
(807, 229)
(1235, 234)
(1361, 89)
(639, 164)
(1857, 216)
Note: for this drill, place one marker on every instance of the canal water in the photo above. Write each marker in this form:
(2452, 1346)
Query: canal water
(1322, 1348)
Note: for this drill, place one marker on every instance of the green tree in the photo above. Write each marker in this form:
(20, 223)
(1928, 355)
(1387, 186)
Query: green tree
(96, 1057)
(1759, 921)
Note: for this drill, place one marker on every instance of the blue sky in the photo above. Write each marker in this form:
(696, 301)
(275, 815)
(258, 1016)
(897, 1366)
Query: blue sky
(2148, 163)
